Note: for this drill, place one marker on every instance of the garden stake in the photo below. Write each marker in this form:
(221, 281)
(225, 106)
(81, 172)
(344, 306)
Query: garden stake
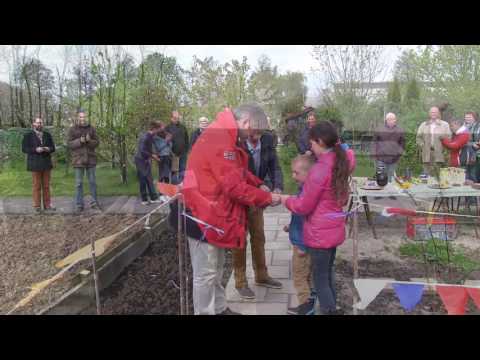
(95, 279)
(186, 264)
(180, 257)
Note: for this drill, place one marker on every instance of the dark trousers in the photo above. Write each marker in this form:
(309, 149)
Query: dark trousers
(145, 179)
(323, 270)
(41, 186)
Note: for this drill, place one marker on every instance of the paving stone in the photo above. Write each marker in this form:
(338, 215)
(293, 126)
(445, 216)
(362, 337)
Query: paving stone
(259, 308)
(269, 227)
(275, 298)
(278, 245)
(233, 296)
(284, 221)
(280, 262)
(270, 220)
(282, 235)
(292, 300)
(282, 254)
(287, 287)
(270, 235)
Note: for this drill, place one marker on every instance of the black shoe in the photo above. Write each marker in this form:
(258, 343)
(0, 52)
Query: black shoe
(37, 210)
(79, 209)
(307, 308)
(50, 210)
(228, 311)
(95, 206)
(246, 293)
(392, 197)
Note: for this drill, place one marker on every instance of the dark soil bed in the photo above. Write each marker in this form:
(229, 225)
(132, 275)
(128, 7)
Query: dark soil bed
(31, 245)
(148, 285)
(387, 302)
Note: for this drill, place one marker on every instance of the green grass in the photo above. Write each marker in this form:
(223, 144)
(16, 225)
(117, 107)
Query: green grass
(437, 252)
(16, 181)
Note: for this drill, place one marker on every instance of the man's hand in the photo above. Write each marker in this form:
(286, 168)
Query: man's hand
(168, 137)
(39, 149)
(275, 200)
(308, 152)
(264, 188)
(286, 228)
(87, 138)
(277, 191)
(46, 149)
(155, 157)
(476, 146)
(82, 139)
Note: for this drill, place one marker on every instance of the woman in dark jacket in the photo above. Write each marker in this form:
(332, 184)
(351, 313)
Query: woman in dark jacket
(38, 145)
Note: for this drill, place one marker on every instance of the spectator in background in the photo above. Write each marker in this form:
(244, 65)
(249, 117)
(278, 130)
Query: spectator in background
(473, 126)
(82, 142)
(388, 145)
(428, 140)
(202, 125)
(162, 143)
(179, 146)
(38, 145)
(143, 162)
(458, 144)
(304, 146)
(262, 160)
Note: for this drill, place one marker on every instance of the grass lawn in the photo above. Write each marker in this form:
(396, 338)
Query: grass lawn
(16, 181)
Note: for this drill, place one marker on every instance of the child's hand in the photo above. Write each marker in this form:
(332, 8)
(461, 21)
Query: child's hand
(284, 198)
(301, 253)
(286, 228)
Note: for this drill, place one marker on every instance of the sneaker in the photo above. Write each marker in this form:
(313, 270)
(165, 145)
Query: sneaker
(145, 202)
(95, 206)
(79, 209)
(270, 283)
(164, 198)
(37, 210)
(307, 308)
(392, 197)
(228, 311)
(50, 210)
(156, 201)
(246, 293)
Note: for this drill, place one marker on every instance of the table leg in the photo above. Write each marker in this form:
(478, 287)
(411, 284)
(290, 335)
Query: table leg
(369, 216)
(475, 225)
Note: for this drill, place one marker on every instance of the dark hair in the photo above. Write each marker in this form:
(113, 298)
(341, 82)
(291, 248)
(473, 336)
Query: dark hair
(327, 132)
(471, 113)
(80, 110)
(155, 125)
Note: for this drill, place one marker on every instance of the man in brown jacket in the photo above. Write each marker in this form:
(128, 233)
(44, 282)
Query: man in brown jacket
(429, 136)
(82, 141)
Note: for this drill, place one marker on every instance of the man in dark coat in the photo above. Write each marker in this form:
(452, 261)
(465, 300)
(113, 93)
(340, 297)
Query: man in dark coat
(180, 146)
(82, 142)
(38, 145)
(303, 144)
(202, 125)
(262, 161)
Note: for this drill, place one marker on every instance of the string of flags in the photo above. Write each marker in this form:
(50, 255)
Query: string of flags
(454, 297)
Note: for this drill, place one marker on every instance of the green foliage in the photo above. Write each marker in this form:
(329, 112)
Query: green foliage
(436, 251)
(412, 94)
(286, 154)
(394, 97)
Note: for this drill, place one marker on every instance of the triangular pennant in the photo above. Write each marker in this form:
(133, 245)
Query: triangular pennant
(167, 189)
(408, 294)
(454, 298)
(368, 289)
(475, 295)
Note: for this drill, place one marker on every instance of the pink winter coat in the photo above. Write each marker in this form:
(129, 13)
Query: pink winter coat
(324, 225)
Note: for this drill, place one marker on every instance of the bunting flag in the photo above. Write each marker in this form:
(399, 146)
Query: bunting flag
(475, 295)
(368, 289)
(454, 298)
(408, 294)
(167, 189)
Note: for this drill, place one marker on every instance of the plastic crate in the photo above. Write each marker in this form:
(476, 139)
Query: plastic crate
(443, 228)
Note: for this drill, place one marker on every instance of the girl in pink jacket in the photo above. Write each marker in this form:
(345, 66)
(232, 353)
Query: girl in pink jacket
(325, 193)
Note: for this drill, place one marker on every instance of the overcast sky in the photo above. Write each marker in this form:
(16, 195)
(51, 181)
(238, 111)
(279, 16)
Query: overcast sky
(286, 57)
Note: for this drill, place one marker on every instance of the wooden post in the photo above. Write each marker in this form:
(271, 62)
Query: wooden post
(355, 245)
(95, 279)
(180, 257)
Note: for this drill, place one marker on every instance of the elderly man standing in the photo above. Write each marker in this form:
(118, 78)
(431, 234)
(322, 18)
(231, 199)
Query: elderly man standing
(388, 145)
(218, 189)
(304, 146)
(202, 125)
(428, 139)
(179, 146)
(473, 126)
(82, 141)
(38, 145)
(263, 160)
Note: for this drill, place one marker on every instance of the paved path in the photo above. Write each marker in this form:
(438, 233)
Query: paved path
(64, 205)
(278, 252)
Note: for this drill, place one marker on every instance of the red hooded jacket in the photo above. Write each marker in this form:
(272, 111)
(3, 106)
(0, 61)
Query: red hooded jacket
(218, 188)
(455, 145)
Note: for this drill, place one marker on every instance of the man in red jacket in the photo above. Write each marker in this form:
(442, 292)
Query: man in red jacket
(218, 189)
(458, 141)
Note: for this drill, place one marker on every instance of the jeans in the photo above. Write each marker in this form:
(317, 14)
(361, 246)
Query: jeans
(92, 185)
(145, 180)
(257, 243)
(323, 270)
(389, 168)
(208, 291)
